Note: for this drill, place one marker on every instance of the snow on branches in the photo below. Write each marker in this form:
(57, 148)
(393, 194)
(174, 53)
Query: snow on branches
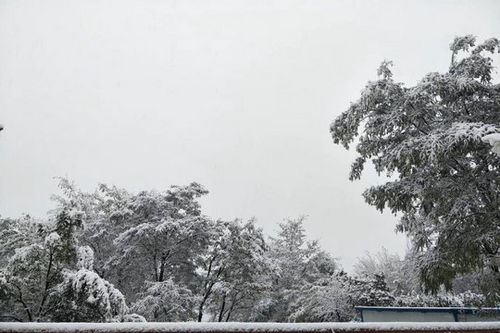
(435, 140)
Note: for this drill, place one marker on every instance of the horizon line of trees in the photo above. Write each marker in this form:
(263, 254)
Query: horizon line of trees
(112, 255)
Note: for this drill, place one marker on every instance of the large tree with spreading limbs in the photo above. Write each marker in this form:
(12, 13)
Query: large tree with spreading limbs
(434, 141)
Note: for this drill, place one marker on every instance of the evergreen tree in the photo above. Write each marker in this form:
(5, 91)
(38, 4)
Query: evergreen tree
(297, 264)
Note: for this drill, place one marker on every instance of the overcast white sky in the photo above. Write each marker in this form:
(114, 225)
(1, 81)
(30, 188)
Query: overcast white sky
(236, 95)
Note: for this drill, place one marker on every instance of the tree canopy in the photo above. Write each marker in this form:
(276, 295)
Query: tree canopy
(434, 141)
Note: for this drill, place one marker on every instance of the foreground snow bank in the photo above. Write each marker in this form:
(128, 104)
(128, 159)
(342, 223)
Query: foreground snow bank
(246, 327)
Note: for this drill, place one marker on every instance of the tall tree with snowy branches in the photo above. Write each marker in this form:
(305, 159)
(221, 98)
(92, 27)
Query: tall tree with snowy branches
(435, 141)
(45, 274)
(298, 264)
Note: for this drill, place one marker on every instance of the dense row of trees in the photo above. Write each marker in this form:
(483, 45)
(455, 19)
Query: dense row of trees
(111, 255)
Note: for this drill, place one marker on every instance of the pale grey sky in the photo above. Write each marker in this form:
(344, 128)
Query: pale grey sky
(236, 95)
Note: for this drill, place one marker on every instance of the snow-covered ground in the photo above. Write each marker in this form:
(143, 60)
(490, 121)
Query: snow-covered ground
(246, 327)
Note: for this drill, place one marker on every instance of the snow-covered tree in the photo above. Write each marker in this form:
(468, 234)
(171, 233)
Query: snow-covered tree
(35, 267)
(39, 284)
(370, 291)
(300, 259)
(138, 237)
(400, 273)
(165, 301)
(26, 281)
(296, 263)
(230, 269)
(326, 300)
(334, 298)
(17, 233)
(41, 258)
(161, 248)
(244, 279)
(109, 216)
(29, 275)
(445, 178)
(84, 296)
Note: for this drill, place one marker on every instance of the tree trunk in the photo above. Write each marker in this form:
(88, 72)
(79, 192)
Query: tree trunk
(46, 289)
(221, 312)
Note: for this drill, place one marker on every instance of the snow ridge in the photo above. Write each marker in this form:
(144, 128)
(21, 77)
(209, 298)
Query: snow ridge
(192, 327)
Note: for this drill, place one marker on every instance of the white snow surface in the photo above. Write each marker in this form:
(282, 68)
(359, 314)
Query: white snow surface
(494, 140)
(244, 327)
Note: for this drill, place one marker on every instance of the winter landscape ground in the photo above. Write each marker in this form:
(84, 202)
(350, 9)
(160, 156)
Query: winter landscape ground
(115, 257)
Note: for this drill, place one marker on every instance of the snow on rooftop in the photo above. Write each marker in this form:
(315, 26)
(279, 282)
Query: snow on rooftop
(245, 327)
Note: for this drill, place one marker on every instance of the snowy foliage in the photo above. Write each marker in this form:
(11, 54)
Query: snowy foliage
(85, 258)
(161, 244)
(327, 300)
(84, 296)
(435, 139)
(16, 233)
(100, 253)
(400, 273)
(233, 270)
(296, 264)
(29, 275)
(165, 301)
(466, 299)
(40, 257)
(494, 140)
